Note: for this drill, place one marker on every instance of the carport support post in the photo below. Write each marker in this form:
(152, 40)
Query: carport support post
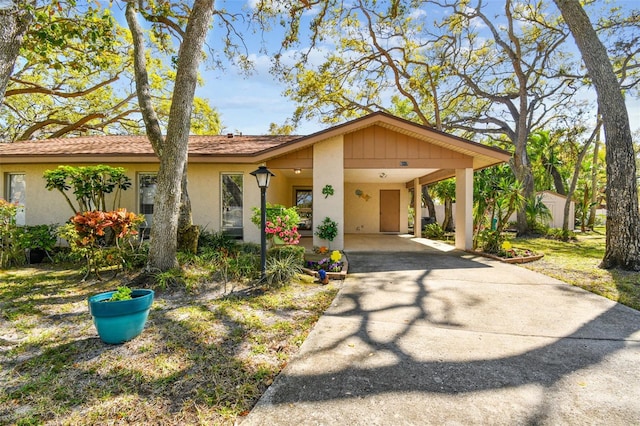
(464, 209)
(417, 208)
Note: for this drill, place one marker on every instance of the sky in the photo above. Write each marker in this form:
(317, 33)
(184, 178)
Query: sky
(249, 104)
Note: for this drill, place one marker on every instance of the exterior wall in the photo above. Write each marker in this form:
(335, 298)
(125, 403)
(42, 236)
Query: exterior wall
(363, 216)
(49, 207)
(440, 213)
(328, 169)
(555, 203)
(46, 207)
(205, 194)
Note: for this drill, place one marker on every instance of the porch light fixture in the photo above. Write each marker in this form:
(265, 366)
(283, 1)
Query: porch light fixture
(263, 177)
(297, 171)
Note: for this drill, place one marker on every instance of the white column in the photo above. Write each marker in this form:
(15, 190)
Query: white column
(464, 209)
(328, 169)
(417, 208)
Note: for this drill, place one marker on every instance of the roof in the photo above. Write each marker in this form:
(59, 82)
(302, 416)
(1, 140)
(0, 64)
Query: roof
(239, 148)
(136, 146)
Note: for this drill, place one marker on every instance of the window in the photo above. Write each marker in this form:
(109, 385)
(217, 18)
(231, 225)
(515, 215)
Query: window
(304, 203)
(231, 204)
(147, 193)
(16, 193)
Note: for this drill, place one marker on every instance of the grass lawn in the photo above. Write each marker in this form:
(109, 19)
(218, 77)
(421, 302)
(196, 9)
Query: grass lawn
(577, 263)
(203, 358)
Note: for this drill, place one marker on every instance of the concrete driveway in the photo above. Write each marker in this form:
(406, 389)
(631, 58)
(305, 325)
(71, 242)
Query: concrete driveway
(420, 336)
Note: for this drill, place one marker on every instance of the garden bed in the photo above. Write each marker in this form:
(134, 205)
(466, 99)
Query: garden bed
(332, 275)
(516, 259)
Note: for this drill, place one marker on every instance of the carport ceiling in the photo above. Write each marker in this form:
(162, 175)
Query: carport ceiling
(384, 175)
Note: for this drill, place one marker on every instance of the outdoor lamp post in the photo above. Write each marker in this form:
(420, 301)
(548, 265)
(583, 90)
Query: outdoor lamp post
(263, 176)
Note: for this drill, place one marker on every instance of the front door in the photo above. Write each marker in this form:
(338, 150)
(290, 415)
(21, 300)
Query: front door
(389, 210)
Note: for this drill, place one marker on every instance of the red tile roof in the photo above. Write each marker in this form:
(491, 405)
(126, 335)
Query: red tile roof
(140, 146)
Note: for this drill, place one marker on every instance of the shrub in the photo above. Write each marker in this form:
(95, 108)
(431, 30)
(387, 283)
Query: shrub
(491, 241)
(433, 231)
(560, 234)
(37, 237)
(282, 223)
(10, 251)
(281, 270)
(89, 184)
(87, 236)
(216, 241)
(286, 251)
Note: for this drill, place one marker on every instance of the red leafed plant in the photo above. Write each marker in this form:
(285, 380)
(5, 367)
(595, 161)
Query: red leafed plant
(92, 225)
(98, 231)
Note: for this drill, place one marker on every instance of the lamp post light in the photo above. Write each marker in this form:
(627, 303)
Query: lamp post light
(263, 176)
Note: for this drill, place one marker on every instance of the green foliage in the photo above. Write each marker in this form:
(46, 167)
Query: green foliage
(491, 241)
(561, 234)
(538, 214)
(10, 251)
(497, 195)
(123, 293)
(216, 241)
(287, 251)
(37, 237)
(433, 231)
(74, 76)
(171, 278)
(89, 184)
(281, 225)
(281, 270)
(327, 230)
(289, 215)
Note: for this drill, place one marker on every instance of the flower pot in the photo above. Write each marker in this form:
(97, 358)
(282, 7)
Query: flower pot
(120, 321)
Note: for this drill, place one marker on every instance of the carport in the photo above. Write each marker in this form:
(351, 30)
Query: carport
(371, 164)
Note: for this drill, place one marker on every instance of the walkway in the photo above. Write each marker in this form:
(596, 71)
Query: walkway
(418, 336)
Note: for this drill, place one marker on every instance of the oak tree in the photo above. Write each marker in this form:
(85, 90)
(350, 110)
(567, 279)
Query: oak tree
(623, 218)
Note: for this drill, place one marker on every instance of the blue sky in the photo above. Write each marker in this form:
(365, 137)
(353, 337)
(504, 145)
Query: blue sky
(248, 104)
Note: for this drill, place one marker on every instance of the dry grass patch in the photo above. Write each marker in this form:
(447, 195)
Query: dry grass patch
(203, 358)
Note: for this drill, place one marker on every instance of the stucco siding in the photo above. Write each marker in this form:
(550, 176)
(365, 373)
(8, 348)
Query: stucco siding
(362, 207)
(45, 207)
(328, 169)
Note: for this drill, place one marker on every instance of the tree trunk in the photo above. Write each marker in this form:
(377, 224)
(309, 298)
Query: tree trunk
(525, 176)
(447, 223)
(428, 201)
(594, 184)
(623, 219)
(558, 182)
(188, 233)
(173, 150)
(14, 23)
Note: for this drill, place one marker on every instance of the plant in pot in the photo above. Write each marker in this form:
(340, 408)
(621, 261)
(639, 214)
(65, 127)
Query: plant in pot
(37, 241)
(120, 315)
(327, 230)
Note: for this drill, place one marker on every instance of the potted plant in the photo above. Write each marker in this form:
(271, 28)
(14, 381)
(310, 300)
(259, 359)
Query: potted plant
(120, 315)
(37, 241)
(327, 230)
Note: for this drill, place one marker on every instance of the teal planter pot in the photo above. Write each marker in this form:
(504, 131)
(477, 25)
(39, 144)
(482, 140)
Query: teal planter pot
(120, 321)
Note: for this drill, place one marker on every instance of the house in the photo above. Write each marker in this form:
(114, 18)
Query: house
(373, 164)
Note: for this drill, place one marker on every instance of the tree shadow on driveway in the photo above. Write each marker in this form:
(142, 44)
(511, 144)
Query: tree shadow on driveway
(479, 344)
